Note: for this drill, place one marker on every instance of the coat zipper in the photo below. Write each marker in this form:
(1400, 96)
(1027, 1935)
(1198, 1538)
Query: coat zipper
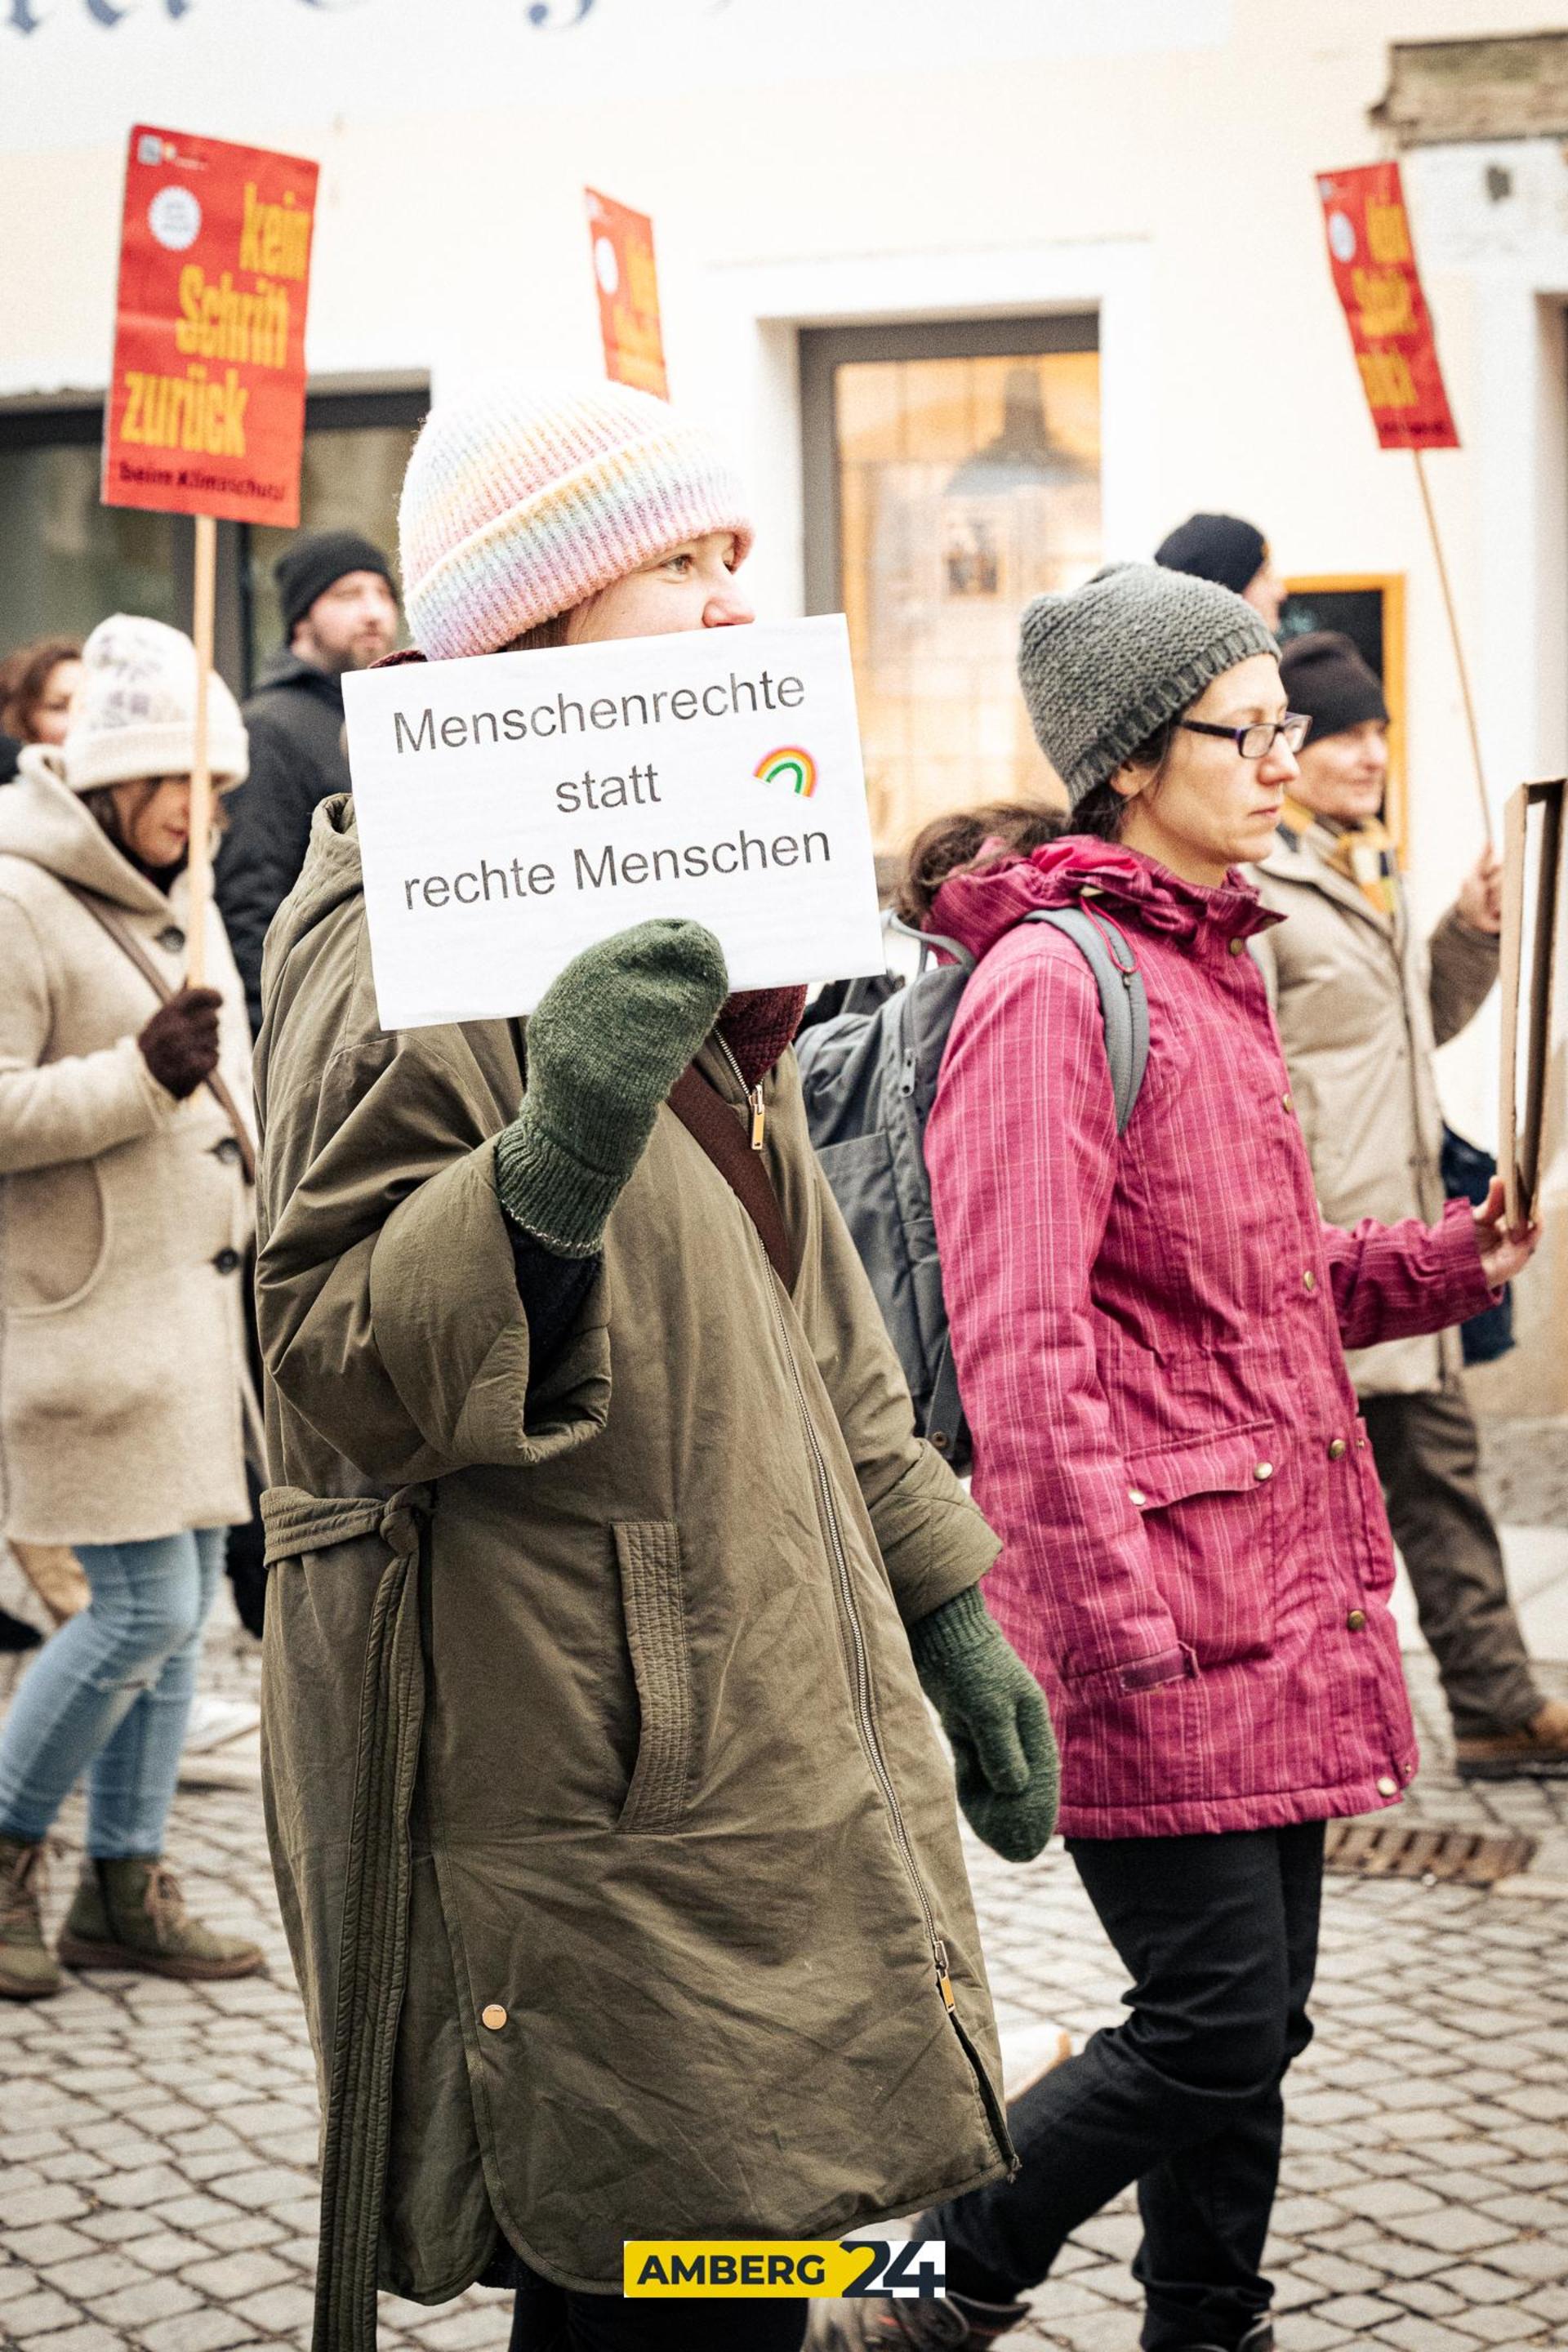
(861, 1665)
(865, 1717)
(753, 1095)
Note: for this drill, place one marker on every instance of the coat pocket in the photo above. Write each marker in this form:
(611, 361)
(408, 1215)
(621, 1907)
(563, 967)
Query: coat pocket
(1208, 1508)
(58, 1234)
(647, 1552)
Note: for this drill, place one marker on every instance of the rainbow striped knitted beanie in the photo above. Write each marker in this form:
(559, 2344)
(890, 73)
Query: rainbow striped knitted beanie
(525, 494)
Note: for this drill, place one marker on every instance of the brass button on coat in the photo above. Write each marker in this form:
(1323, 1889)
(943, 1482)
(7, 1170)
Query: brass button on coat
(1237, 947)
(1356, 1620)
(1136, 1495)
(1287, 1102)
(493, 2015)
(1337, 1449)
(1262, 1470)
(1308, 1280)
(1387, 1788)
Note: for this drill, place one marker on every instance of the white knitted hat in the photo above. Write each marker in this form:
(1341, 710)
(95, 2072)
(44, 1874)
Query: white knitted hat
(136, 710)
(526, 494)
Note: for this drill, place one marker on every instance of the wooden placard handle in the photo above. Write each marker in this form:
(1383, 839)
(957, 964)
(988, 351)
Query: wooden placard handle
(1459, 661)
(199, 858)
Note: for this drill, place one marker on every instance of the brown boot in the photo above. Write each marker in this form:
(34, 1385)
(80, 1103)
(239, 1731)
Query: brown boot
(27, 1971)
(1538, 1751)
(130, 1915)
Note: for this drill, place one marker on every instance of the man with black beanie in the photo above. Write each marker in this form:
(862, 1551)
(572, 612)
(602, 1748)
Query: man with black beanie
(340, 613)
(1362, 1000)
(1235, 553)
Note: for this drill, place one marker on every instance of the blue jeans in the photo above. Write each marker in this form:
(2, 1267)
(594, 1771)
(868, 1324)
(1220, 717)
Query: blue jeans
(112, 1689)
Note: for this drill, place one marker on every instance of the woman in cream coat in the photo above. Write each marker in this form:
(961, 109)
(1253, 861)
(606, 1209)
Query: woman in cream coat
(124, 1219)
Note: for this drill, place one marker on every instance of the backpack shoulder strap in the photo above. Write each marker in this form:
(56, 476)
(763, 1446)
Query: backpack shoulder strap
(1123, 999)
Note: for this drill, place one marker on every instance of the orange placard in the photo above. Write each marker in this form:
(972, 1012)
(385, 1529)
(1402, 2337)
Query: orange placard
(205, 413)
(627, 287)
(1373, 265)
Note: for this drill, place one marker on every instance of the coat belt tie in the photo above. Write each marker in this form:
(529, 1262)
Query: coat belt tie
(372, 1951)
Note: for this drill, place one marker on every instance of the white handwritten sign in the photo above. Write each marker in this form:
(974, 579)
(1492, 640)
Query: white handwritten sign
(514, 808)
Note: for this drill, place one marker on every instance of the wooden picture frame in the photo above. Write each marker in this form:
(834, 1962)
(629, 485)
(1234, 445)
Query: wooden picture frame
(1532, 919)
(1369, 607)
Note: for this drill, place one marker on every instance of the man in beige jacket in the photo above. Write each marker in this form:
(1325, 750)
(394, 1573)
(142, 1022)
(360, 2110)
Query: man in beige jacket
(1362, 1004)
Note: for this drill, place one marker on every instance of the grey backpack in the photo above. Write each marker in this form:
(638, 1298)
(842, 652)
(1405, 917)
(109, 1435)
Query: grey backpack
(870, 1080)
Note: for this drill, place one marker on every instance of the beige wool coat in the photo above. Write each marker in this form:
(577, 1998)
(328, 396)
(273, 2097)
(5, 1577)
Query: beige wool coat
(124, 1216)
(1362, 1000)
(618, 1853)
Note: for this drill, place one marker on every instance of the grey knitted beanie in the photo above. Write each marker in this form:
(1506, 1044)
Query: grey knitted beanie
(1104, 666)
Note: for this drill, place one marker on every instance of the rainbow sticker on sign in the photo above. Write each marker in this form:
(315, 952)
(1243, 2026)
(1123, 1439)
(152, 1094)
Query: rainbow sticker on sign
(794, 766)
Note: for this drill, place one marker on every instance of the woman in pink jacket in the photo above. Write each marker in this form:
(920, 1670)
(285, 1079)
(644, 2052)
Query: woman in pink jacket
(1196, 1564)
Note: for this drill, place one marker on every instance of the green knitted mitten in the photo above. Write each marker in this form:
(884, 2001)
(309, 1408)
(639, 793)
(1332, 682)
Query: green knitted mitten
(609, 1039)
(993, 1711)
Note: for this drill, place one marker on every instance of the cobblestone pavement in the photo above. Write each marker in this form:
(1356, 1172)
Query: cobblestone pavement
(157, 2140)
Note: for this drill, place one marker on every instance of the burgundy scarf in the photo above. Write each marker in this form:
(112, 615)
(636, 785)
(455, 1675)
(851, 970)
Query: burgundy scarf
(758, 1025)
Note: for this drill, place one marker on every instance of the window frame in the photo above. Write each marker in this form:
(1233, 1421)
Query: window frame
(1389, 586)
(823, 351)
(333, 404)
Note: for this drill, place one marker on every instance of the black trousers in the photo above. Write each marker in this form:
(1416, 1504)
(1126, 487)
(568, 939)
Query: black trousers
(1183, 2097)
(553, 2319)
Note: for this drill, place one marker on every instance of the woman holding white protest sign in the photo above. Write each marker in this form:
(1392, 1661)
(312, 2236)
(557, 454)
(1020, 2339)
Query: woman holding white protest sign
(601, 1541)
(126, 1213)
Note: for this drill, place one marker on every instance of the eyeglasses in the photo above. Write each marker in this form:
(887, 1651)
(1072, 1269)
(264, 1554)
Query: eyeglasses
(1256, 740)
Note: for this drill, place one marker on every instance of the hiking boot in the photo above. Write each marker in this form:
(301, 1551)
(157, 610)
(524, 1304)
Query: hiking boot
(1538, 1751)
(27, 1969)
(882, 2323)
(130, 1915)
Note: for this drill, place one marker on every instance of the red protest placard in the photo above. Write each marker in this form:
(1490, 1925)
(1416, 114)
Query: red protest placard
(205, 413)
(1373, 265)
(627, 287)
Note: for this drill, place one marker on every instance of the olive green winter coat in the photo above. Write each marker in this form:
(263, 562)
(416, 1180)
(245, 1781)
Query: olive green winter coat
(617, 1851)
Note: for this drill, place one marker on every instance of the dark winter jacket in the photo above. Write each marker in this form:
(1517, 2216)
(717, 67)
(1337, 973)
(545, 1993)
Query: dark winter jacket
(297, 759)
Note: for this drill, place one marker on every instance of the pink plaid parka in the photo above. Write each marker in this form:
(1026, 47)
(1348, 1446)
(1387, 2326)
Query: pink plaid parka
(1148, 1333)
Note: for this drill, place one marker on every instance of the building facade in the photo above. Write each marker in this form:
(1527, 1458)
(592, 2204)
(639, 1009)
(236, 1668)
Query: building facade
(981, 295)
